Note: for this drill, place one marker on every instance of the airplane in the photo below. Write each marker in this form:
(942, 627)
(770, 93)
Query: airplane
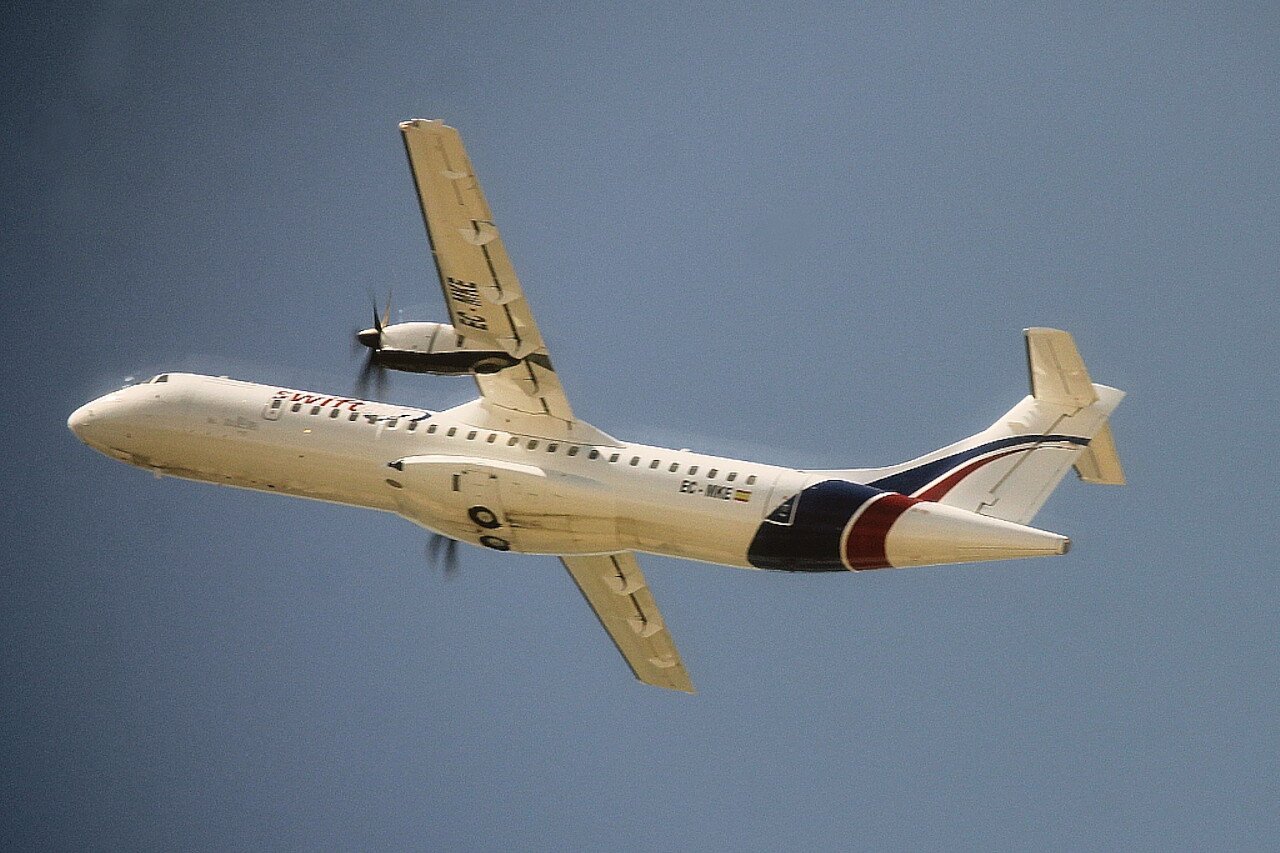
(516, 471)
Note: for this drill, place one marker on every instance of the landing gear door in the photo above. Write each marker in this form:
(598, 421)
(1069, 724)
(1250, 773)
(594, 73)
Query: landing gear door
(456, 497)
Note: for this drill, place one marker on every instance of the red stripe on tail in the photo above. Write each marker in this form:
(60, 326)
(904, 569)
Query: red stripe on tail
(864, 546)
(946, 484)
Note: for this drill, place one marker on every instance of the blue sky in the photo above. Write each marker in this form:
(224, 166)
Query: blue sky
(809, 236)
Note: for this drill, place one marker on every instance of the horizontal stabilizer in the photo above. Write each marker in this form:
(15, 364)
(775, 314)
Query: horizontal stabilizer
(1100, 463)
(1058, 374)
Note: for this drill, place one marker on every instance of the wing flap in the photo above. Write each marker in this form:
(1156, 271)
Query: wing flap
(616, 589)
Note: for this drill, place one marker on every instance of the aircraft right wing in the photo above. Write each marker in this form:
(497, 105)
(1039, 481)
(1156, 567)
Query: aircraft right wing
(615, 588)
(485, 300)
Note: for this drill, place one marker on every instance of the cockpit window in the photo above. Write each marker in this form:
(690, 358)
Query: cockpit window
(163, 377)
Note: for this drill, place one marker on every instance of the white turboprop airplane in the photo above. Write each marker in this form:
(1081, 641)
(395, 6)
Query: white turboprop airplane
(515, 471)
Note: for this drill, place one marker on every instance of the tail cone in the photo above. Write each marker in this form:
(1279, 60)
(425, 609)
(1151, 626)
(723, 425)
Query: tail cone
(893, 530)
(929, 533)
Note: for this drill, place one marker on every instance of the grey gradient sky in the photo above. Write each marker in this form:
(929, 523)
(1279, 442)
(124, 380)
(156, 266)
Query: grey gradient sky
(809, 235)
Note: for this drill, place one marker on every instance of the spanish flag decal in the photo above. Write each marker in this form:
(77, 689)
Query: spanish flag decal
(742, 495)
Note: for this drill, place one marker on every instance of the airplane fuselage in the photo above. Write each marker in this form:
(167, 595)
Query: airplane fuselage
(340, 449)
(527, 493)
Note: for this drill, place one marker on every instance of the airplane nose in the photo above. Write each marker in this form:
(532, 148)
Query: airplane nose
(80, 419)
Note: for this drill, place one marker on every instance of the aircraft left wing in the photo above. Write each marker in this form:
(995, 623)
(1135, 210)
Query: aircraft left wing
(616, 590)
(480, 287)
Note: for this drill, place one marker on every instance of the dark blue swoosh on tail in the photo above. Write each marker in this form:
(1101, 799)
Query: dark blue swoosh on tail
(914, 479)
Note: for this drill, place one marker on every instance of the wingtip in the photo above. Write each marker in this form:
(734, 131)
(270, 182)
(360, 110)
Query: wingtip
(419, 122)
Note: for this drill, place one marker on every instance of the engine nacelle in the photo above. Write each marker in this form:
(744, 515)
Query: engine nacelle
(422, 347)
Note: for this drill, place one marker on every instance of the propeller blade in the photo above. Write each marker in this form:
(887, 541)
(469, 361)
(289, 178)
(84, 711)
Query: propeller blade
(451, 559)
(443, 551)
(371, 373)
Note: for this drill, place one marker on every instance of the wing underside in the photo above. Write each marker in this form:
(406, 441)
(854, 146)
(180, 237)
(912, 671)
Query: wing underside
(485, 300)
(616, 590)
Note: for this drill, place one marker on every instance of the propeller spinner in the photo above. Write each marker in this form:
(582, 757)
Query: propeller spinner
(373, 371)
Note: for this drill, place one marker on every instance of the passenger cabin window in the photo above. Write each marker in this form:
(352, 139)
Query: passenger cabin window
(635, 460)
(733, 475)
(675, 466)
(711, 475)
(413, 425)
(573, 451)
(452, 432)
(276, 404)
(751, 481)
(533, 444)
(315, 410)
(493, 436)
(693, 469)
(614, 457)
(353, 416)
(431, 429)
(513, 441)
(594, 454)
(391, 424)
(551, 448)
(653, 464)
(334, 413)
(296, 407)
(471, 436)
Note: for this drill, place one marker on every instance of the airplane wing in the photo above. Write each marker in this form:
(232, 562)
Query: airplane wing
(480, 287)
(616, 590)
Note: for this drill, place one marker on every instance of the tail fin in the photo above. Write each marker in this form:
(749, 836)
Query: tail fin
(1009, 469)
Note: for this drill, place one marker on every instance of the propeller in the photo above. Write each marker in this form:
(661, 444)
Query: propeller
(443, 551)
(372, 371)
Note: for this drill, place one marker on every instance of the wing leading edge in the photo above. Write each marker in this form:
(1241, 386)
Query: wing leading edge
(616, 589)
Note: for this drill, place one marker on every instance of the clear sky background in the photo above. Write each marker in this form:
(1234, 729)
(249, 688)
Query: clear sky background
(808, 235)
